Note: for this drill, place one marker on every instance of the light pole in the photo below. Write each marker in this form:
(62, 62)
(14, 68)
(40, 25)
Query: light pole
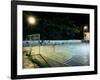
(85, 29)
(31, 21)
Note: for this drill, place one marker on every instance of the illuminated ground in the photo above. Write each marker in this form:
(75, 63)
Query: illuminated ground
(69, 54)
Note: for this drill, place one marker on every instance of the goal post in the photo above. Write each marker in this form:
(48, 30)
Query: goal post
(32, 38)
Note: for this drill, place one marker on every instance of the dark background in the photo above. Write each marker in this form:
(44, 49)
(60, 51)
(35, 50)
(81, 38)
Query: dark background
(55, 26)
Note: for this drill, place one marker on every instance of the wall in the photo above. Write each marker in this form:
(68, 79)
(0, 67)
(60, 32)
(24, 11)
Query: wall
(5, 29)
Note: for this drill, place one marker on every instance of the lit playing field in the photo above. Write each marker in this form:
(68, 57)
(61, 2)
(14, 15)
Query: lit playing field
(62, 55)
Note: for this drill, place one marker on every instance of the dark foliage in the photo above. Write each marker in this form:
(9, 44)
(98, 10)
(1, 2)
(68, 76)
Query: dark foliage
(55, 26)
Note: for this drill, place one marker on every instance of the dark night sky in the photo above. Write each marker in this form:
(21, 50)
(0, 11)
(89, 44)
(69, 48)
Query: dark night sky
(55, 26)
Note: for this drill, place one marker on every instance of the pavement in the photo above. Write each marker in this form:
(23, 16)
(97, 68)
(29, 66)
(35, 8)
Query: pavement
(64, 55)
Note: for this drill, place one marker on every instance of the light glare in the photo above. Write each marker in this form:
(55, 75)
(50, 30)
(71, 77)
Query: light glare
(85, 27)
(32, 20)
